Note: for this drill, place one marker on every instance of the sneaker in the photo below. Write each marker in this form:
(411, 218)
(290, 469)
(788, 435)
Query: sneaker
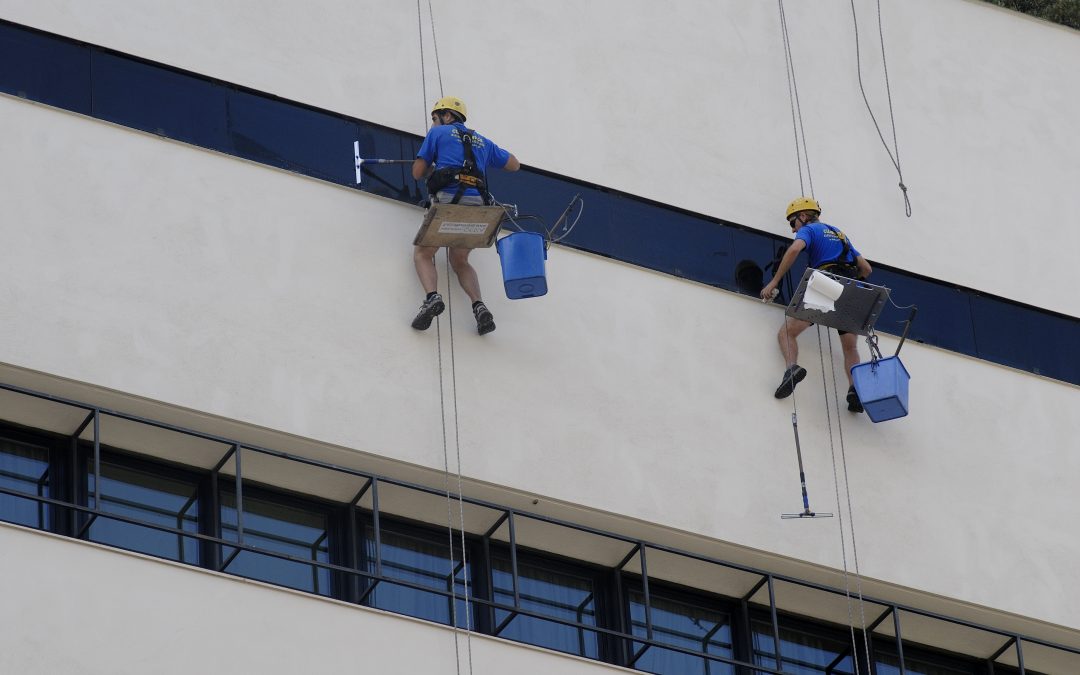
(485, 320)
(853, 402)
(792, 376)
(431, 308)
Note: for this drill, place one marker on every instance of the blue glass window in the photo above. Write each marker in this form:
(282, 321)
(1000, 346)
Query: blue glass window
(278, 525)
(148, 97)
(24, 468)
(680, 623)
(389, 180)
(921, 664)
(944, 317)
(1020, 337)
(422, 557)
(292, 137)
(549, 589)
(802, 651)
(151, 496)
(44, 68)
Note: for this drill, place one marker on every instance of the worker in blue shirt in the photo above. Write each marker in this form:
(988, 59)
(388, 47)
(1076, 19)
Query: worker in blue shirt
(455, 161)
(830, 251)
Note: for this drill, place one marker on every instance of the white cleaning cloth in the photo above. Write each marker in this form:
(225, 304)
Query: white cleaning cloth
(822, 292)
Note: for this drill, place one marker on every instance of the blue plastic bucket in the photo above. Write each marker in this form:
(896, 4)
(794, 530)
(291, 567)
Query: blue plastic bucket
(882, 388)
(522, 256)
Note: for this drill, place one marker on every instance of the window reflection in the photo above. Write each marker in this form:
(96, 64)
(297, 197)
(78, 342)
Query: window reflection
(685, 624)
(802, 651)
(150, 497)
(419, 556)
(283, 528)
(552, 590)
(24, 468)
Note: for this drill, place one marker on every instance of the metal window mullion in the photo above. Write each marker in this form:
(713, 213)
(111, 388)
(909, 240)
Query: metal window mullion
(97, 459)
(237, 450)
(899, 639)
(775, 621)
(1020, 655)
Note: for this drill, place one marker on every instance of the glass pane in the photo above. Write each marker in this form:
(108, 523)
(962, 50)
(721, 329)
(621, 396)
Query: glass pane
(887, 664)
(682, 624)
(24, 468)
(281, 528)
(292, 137)
(944, 318)
(803, 651)
(44, 68)
(1024, 338)
(420, 557)
(389, 180)
(148, 497)
(551, 592)
(151, 98)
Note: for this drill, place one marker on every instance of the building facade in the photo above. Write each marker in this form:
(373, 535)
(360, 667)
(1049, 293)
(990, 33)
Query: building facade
(223, 447)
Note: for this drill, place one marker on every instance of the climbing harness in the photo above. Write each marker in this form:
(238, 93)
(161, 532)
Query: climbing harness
(466, 176)
(894, 154)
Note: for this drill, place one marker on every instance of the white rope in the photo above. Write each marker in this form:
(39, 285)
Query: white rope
(851, 512)
(796, 107)
(894, 154)
(442, 403)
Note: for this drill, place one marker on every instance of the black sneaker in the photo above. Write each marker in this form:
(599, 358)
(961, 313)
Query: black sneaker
(485, 320)
(853, 402)
(431, 308)
(792, 376)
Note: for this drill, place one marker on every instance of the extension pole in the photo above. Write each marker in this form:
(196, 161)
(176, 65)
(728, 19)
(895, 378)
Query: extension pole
(360, 162)
(806, 512)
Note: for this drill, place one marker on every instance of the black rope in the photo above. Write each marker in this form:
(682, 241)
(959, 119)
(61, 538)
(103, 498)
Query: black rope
(893, 157)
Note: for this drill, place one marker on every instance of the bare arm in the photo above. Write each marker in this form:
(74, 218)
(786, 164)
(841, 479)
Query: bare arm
(419, 168)
(512, 164)
(864, 267)
(786, 262)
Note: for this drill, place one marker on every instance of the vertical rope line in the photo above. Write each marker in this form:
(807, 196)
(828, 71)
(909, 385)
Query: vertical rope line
(423, 73)
(435, 42)
(446, 487)
(791, 95)
(858, 69)
(836, 485)
(794, 88)
(851, 510)
(457, 446)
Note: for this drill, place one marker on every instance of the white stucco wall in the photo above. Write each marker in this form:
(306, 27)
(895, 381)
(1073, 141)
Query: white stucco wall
(204, 282)
(94, 611)
(687, 103)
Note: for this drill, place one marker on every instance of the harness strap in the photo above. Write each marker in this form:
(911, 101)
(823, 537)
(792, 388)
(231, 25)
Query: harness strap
(466, 176)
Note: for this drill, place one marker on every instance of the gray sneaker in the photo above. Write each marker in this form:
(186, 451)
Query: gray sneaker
(792, 376)
(485, 320)
(431, 308)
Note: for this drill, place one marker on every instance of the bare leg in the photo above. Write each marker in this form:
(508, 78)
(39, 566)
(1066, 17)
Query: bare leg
(788, 339)
(850, 343)
(470, 283)
(424, 261)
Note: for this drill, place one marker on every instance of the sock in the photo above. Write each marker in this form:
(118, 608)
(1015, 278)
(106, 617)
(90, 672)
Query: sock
(430, 296)
(477, 304)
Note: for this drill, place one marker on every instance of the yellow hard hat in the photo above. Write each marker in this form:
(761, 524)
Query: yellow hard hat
(453, 104)
(802, 204)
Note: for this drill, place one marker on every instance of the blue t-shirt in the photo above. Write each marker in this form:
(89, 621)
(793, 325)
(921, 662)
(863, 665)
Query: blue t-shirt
(442, 147)
(823, 244)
